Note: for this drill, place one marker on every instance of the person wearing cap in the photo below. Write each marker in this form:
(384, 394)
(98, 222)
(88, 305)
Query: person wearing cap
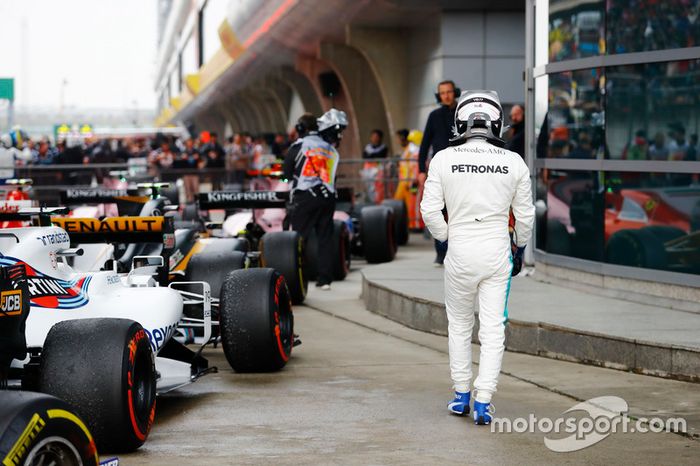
(479, 182)
(311, 165)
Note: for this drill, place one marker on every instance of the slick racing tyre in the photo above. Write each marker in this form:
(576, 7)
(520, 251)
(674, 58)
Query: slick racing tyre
(377, 231)
(341, 250)
(190, 212)
(400, 219)
(636, 248)
(38, 429)
(341, 253)
(172, 193)
(105, 369)
(284, 252)
(212, 265)
(257, 324)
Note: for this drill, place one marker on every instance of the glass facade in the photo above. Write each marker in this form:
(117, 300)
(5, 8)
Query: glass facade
(572, 224)
(649, 220)
(576, 117)
(654, 111)
(643, 25)
(576, 29)
(586, 28)
(616, 149)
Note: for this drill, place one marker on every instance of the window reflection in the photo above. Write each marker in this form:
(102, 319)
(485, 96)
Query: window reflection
(641, 25)
(576, 29)
(570, 213)
(652, 221)
(654, 111)
(574, 127)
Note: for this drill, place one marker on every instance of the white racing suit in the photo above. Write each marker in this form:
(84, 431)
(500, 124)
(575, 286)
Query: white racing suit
(478, 183)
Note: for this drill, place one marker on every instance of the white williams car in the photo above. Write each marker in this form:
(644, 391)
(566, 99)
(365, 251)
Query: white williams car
(104, 342)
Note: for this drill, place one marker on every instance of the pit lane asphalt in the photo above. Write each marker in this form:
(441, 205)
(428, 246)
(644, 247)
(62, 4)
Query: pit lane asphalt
(365, 390)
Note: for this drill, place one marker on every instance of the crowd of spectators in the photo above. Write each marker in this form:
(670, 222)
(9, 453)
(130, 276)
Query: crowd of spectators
(641, 25)
(239, 152)
(622, 26)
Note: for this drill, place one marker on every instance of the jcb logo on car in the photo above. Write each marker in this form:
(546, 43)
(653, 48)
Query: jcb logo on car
(11, 303)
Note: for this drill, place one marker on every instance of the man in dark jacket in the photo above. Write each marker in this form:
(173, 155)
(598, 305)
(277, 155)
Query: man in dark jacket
(517, 138)
(437, 134)
(213, 153)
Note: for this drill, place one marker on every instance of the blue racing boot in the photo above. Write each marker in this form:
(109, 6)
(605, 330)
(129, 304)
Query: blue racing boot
(482, 413)
(460, 405)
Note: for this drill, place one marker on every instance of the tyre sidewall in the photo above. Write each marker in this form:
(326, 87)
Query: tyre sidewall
(102, 387)
(42, 417)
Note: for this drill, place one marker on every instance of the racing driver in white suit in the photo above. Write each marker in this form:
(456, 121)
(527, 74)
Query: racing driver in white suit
(479, 183)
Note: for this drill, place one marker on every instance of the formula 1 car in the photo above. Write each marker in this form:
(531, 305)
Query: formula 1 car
(196, 256)
(35, 428)
(92, 336)
(369, 233)
(15, 198)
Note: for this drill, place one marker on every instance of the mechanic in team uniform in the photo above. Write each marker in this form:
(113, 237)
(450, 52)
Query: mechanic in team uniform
(311, 165)
(479, 182)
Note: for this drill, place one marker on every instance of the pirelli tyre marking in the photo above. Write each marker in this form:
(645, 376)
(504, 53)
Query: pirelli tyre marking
(35, 426)
(19, 450)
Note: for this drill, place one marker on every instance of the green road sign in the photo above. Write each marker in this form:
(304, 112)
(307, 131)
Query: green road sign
(7, 88)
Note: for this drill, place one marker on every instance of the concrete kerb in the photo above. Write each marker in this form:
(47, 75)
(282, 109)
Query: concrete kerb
(544, 339)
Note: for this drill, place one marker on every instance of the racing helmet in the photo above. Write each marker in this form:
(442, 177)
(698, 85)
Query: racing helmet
(331, 125)
(415, 136)
(479, 114)
(18, 137)
(5, 141)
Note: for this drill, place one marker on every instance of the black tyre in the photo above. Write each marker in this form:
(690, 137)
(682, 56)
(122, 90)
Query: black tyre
(311, 257)
(105, 369)
(257, 324)
(284, 252)
(36, 428)
(636, 248)
(341, 250)
(172, 193)
(377, 230)
(401, 232)
(212, 266)
(341, 253)
(191, 212)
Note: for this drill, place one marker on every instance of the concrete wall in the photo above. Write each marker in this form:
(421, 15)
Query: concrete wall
(389, 74)
(485, 50)
(425, 70)
(477, 50)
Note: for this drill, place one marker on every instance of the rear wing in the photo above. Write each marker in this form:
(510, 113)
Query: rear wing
(243, 200)
(40, 215)
(125, 230)
(102, 196)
